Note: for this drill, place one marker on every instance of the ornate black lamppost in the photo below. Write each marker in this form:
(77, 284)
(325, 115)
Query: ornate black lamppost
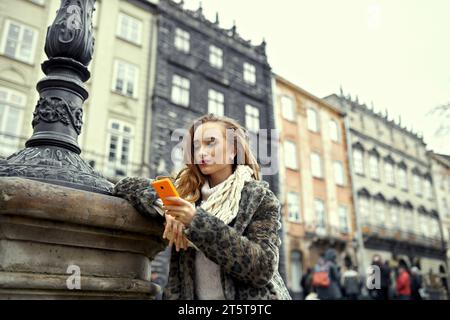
(52, 153)
(68, 238)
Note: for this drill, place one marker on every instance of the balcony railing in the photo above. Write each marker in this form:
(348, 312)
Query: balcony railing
(326, 232)
(400, 235)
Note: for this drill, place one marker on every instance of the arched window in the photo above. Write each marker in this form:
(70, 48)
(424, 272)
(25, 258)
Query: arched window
(12, 105)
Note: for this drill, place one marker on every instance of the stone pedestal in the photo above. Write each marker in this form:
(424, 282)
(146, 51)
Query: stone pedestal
(48, 233)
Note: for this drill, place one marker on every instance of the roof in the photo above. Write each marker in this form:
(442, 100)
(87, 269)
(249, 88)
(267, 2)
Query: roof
(309, 94)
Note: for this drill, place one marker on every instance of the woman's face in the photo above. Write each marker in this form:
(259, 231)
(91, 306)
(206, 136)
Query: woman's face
(211, 151)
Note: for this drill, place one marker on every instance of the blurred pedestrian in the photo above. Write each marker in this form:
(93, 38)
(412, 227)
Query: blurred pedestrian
(382, 292)
(403, 283)
(351, 284)
(306, 282)
(416, 283)
(326, 277)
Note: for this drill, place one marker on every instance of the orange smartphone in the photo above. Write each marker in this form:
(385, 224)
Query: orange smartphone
(165, 188)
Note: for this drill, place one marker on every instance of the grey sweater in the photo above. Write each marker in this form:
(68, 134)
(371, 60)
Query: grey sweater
(208, 285)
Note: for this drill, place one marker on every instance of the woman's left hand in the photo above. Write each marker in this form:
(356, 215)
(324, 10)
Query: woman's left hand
(181, 210)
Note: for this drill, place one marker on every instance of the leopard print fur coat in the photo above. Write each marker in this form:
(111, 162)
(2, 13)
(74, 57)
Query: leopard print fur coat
(247, 250)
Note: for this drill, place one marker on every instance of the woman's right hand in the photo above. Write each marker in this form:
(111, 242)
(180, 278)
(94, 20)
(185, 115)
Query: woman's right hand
(174, 232)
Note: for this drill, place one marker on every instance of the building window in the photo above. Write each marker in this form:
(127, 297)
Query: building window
(215, 57)
(249, 73)
(417, 181)
(434, 229)
(334, 130)
(374, 167)
(424, 225)
(395, 221)
(288, 108)
(12, 104)
(358, 161)
(402, 178)
(316, 165)
(177, 159)
(416, 222)
(389, 173)
(445, 207)
(313, 121)
(364, 209)
(129, 28)
(343, 219)
(380, 214)
(402, 216)
(428, 188)
(19, 41)
(119, 148)
(252, 118)
(293, 202)
(215, 102)
(319, 207)
(408, 218)
(126, 77)
(339, 177)
(182, 40)
(180, 90)
(290, 155)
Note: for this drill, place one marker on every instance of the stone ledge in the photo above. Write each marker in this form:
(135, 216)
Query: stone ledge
(41, 285)
(33, 199)
(46, 228)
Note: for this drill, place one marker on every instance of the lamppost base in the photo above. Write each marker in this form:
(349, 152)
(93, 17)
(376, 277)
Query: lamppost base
(55, 165)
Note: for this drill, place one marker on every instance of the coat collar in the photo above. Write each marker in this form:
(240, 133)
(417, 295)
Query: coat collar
(252, 196)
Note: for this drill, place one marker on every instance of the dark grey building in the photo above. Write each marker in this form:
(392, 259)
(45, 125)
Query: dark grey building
(202, 68)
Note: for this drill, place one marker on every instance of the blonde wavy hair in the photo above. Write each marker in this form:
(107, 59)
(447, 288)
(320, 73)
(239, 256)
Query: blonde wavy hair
(189, 180)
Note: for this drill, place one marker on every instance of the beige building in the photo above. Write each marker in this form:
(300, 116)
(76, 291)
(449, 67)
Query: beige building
(396, 202)
(315, 185)
(115, 138)
(440, 165)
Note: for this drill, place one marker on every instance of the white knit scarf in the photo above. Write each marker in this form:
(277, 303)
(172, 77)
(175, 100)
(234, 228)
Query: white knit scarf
(223, 199)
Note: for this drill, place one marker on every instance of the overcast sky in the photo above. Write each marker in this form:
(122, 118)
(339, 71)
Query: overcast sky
(395, 53)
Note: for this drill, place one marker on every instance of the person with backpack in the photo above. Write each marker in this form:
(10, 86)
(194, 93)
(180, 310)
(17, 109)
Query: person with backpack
(326, 277)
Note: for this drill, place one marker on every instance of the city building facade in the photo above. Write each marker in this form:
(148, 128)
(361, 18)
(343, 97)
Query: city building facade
(396, 202)
(440, 166)
(314, 181)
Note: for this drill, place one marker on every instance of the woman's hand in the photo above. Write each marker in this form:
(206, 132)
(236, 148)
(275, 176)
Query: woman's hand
(183, 211)
(174, 232)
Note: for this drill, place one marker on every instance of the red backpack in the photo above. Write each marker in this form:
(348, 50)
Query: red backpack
(321, 277)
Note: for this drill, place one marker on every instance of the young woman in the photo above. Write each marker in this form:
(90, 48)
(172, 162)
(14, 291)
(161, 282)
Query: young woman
(225, 223)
